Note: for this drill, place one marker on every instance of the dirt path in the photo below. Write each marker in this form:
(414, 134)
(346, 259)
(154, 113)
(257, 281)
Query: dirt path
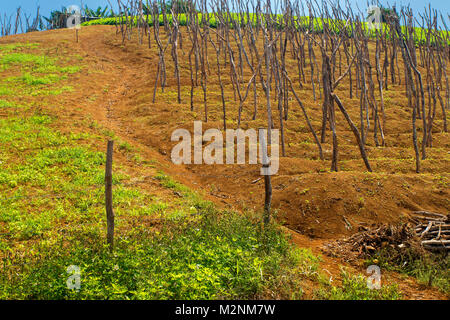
(119, 77)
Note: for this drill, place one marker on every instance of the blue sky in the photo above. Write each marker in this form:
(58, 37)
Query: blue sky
(29, 6)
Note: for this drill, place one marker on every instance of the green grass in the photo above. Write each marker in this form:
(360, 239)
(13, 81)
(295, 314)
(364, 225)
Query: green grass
(52, 205)
(38, 73)
(17, 46)
(57, 69)
(33, 80)
(22, 59)
(211, 258)
(354, 287)
(429, 269)
(7, 104)
(5, 91)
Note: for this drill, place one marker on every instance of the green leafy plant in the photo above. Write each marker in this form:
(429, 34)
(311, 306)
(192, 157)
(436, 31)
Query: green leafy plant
(354, 287)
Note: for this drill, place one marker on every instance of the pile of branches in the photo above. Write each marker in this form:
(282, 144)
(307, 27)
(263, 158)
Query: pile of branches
(433, 229)
(369, 241)
(427, 231)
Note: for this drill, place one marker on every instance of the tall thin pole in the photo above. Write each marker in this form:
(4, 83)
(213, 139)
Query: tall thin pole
(266, 172)
(108, 195)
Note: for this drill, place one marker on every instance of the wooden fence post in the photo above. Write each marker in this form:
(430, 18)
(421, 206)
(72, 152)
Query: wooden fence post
(266, 172)
(108, 195)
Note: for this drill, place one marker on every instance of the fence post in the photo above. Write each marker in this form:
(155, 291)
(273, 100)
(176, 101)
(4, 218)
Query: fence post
(108, 195)
(266, 171)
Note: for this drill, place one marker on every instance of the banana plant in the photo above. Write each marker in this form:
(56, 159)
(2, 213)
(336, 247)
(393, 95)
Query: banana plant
(99, 13)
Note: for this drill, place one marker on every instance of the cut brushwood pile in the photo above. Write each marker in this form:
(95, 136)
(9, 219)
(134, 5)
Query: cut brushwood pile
(368, 241)
(433, 229)
(427, 230)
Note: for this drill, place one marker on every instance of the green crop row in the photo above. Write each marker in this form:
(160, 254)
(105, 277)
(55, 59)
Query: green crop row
(302, 23)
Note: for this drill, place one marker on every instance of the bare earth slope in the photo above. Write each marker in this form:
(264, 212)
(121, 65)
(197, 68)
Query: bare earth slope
(308, 197)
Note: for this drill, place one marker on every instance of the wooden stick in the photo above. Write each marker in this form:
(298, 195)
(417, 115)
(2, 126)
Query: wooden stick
(266, 171)
(430, 224)
(108, 195)
(437, 216)
(355, 131)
